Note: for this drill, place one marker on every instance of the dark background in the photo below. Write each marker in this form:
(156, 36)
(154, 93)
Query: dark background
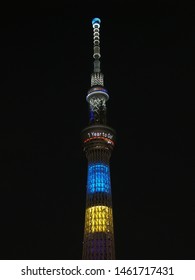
(148, 62)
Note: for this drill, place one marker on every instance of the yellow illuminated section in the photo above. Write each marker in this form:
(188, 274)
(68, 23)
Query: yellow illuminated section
(98, 219)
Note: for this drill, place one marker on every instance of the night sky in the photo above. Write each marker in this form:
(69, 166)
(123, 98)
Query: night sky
(148, 64)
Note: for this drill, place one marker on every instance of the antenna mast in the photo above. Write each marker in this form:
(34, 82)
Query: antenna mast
(97, 78)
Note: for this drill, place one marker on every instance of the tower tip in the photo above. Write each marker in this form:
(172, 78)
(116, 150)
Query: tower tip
(97, 76)
(96, 21)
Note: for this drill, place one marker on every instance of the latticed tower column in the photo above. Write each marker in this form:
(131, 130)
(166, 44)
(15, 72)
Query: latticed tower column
(98, 142)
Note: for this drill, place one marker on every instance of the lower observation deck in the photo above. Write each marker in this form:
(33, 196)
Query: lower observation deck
(99, 134)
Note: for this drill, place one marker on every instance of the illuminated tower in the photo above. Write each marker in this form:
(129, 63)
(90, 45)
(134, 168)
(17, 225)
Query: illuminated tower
(98, 142)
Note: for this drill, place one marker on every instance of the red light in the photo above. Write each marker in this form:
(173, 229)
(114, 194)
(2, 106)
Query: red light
(100, 137)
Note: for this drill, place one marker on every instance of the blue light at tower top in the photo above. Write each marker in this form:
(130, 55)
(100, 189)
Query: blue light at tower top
(98, 178)
(96, 20)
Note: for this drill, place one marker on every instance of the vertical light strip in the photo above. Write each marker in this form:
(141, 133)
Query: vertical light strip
(98, 219)
(98, 178)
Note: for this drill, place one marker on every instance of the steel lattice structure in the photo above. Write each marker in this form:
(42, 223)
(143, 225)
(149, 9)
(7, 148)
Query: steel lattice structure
(98, 142)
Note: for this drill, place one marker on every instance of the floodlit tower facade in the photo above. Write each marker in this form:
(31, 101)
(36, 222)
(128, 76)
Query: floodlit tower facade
(98, 142)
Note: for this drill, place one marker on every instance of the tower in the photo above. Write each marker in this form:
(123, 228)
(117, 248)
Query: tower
(98, 142)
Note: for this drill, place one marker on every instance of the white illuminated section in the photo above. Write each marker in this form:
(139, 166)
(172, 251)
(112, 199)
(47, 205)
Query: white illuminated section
(96, 37)
(97, 134)
(96, 93)
(97, 78)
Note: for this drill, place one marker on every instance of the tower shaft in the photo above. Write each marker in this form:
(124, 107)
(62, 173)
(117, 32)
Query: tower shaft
(98, 142)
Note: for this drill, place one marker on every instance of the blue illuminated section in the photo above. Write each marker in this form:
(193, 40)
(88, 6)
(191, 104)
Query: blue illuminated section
(96, 20)
(98, 178)
(91, 116)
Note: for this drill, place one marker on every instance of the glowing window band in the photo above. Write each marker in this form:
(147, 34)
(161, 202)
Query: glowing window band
(98, 178)
(98, 219)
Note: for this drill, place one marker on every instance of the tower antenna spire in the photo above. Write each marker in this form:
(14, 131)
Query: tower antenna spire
(97, 77)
